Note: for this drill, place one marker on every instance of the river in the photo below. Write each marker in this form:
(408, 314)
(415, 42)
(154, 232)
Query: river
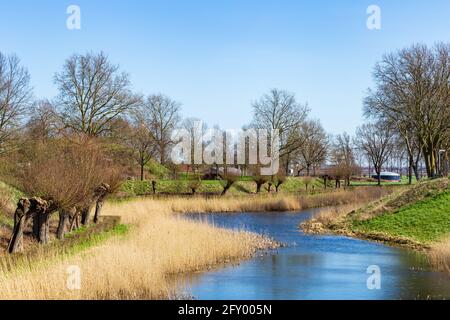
(315, 267)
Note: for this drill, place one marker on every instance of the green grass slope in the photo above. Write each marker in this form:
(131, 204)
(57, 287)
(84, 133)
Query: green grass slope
(421, 214)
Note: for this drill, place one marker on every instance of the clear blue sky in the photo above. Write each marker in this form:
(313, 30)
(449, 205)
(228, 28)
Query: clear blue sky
(217, 56)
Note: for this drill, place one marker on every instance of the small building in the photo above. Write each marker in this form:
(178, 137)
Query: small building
(388, 176)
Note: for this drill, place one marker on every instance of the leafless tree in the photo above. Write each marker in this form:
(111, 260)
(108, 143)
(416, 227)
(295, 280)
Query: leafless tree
(141, 143)
(314, 150)
(44, 122)
(161, 116)
(413, 92)
(15, 98)
(195, 127)
(279, 110)
(92, 93)
(343, 159)
(376, 140)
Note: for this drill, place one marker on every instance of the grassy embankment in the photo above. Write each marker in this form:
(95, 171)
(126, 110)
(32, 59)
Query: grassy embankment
(417, 217)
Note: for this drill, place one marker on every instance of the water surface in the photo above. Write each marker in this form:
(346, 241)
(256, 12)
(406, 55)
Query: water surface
(314, 267)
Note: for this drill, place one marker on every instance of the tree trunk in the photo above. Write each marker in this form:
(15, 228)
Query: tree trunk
(41, 226)
(85, 215)
(98, 209)
(62, 225)
(36, 225)
(430, 161)
(225, 189)
(338, 182)
(287, 165)
(410, 170)
(163, 154)
(277, 186)
(416, 171)
(16, 242)
(73, 221)
(44, 228)
(258, 187)
(446, 164)
(142, 172)
(154, 186)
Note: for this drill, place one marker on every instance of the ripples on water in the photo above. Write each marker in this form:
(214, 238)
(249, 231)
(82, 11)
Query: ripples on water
(314, 267)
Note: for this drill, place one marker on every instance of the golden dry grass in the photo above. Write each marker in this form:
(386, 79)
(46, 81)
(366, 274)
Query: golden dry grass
(332, 213)
(138, 266)
(320, 222)
(439, 256)
(274, 202)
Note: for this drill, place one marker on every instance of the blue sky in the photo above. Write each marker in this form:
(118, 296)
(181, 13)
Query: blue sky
(216, 57)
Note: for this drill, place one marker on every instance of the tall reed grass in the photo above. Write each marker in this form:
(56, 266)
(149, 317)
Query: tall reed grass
(274, 202)
(439, 256)
(140, 266)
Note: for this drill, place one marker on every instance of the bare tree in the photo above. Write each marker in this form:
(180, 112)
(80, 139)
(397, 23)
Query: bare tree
(61, 176)
(376, 140)
(43, 123)
(413, 92)
(279, 110)
(195, 127)
(343, 159)
(140, 141)
(313, 152)
(15, 97)
(161, 115)
(92, 93)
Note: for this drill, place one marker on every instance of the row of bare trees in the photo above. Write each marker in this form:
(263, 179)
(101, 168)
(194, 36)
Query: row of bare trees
(68, 177)
(94, 99)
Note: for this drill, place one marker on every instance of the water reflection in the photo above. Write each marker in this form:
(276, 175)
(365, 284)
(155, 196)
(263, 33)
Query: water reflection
(314, 267)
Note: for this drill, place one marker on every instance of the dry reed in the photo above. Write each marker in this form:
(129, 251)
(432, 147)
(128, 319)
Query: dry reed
(138, 266)
(274, 202)
(439, 256)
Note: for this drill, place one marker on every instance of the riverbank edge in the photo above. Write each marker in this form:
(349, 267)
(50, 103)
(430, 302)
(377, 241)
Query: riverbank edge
(339, 228)
(342, 224)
